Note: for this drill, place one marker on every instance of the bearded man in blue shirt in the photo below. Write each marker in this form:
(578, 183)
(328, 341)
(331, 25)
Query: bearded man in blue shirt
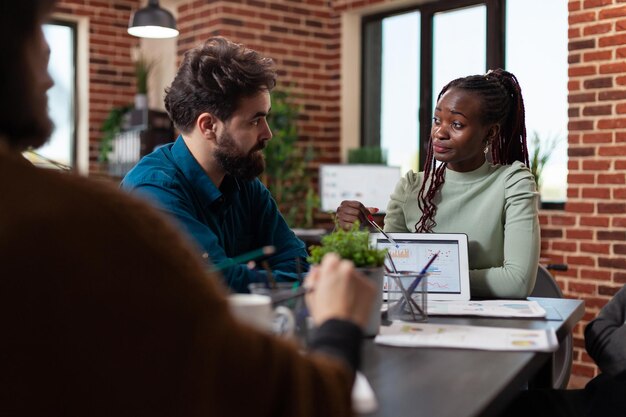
(207, 179)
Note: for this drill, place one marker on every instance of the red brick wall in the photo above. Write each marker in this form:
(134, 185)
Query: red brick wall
(111, 74)
(590, 236)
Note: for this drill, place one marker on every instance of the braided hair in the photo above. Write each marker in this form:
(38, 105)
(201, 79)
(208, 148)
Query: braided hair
(502, 103)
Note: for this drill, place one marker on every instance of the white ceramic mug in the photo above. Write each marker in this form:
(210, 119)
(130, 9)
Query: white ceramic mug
(256, 310)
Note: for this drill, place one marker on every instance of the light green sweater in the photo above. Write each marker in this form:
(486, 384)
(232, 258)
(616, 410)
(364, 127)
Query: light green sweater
(496, 206)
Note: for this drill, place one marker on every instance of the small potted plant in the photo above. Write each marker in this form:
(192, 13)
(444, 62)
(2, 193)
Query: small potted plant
(143, 68)
(354, 244)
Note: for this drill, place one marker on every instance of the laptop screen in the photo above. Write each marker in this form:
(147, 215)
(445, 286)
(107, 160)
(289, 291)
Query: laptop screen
(448, 275)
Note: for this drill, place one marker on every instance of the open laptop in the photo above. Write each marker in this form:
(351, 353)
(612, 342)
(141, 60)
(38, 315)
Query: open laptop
(448, 277)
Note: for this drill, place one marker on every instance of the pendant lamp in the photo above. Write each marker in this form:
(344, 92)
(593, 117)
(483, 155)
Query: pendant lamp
(152, 22)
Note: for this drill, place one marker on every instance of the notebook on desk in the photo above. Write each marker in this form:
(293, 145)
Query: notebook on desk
(448, 277)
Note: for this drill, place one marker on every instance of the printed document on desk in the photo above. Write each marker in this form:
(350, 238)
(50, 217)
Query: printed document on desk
(487, 308)
(406, 334)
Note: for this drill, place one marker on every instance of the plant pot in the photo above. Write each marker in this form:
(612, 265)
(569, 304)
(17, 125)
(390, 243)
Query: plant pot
(141, 101)
(375, 275)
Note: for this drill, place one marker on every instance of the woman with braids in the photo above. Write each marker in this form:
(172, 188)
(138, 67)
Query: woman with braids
(461, 191)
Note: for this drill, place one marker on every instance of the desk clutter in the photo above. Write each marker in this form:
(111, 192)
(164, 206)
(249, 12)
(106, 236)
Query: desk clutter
(404, 334)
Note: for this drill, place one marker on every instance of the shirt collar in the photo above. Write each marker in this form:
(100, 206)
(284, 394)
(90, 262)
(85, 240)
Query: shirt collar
(469, 176)
(206, 190)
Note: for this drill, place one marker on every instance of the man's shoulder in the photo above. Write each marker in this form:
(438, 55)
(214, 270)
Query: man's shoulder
(158, 167)
(67, 198)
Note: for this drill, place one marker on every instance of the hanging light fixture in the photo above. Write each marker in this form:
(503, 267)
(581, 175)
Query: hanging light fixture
(152, 22)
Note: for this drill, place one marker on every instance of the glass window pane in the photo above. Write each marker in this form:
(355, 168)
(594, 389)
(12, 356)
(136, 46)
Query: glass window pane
(60, 148)
(544, 85)
(459, 45)
(400, 90)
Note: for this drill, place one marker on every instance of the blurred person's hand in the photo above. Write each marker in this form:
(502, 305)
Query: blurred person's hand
(339, 291)
(350, 211)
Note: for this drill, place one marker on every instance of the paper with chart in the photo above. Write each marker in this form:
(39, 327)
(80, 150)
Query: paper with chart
(467, 337)
(443, 274)
(487, 308)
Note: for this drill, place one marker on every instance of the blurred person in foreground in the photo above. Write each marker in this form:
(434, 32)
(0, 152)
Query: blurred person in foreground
(105, 310)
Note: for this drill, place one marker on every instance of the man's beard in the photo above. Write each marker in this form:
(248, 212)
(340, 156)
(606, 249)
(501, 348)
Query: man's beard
(231, 159)
(32, 125)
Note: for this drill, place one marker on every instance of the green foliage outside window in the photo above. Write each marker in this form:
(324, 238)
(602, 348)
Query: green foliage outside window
(540, 153)
(367, 155)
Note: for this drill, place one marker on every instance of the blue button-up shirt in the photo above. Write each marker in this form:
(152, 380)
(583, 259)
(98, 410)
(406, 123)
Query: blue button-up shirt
(225, 222)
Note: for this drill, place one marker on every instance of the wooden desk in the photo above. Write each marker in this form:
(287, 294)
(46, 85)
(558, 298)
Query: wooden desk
(440, 382)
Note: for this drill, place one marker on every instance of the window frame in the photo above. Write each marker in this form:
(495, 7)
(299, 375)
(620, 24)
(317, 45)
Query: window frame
(496, 41)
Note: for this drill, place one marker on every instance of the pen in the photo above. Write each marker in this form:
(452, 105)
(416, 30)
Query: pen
(370, 218)
(421, 275)
(246, 257)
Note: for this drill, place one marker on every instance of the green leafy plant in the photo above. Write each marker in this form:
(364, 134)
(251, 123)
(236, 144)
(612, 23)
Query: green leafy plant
(541, 151)
(286, 165)
(352, 244)
(111, 126)
(143, 67)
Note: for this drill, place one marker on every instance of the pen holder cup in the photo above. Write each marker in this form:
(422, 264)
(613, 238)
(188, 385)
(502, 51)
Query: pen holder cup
(407, 296)
(285, 291)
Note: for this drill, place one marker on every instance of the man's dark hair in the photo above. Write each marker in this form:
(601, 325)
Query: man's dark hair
(213, 78)
(19, 22)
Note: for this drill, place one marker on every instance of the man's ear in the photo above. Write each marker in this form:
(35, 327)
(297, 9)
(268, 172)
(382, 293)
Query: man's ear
(206, 123)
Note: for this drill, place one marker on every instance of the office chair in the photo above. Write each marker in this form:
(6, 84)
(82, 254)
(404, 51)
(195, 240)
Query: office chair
(546, 286)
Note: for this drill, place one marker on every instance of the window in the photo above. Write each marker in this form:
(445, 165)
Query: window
(544, 86)
(393, 74)
(459, 45)
(62, 96)
(409, 55)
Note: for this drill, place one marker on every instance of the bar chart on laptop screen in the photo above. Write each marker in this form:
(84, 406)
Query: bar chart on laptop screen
(412, 255)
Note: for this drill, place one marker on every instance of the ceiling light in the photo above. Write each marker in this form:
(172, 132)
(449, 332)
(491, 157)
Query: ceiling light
(153, 22)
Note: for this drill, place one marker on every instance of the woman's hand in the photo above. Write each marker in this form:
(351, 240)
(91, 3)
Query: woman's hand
(350, 211)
